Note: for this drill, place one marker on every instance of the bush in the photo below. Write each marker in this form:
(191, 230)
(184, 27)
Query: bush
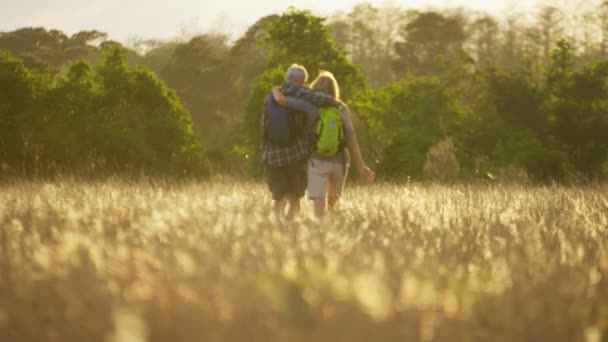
(441, 163)
(520, 148)
(405, 156)
(406, 118)
(107, 119)
(17, 96)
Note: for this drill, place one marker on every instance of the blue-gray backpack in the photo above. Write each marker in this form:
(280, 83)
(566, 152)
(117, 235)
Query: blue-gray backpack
(282, 127)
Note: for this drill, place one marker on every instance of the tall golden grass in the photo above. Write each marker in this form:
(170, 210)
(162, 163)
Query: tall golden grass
(119, 261)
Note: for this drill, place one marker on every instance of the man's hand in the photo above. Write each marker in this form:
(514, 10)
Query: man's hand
(367, 173)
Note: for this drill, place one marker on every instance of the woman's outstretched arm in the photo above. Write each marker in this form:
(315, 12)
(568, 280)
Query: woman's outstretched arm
(353, 145)
(364, 171)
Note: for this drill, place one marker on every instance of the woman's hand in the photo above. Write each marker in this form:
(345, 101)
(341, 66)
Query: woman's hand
(367, 173)
(278, 96)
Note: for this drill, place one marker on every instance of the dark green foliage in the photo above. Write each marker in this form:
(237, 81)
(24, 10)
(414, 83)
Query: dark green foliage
(296, 37)
(17, 95)
(300, 37)
(510, 97)
(517, 147)
(107, 119)
(408, 118)
(577, 109)
(248, 58)
(213, 80)
(428, 37)
(517, 101)
(71, 127)
(40, 48)
(193, 71)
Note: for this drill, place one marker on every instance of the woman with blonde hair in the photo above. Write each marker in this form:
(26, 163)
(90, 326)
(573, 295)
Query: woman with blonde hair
(331, 132)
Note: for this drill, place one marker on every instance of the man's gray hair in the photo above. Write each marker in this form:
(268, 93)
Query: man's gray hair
(296, 73)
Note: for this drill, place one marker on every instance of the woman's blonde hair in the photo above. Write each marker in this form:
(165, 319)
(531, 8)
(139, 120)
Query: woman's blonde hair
(326, 83)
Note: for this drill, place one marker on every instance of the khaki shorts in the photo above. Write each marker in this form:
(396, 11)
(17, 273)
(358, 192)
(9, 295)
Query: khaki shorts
(324, 176)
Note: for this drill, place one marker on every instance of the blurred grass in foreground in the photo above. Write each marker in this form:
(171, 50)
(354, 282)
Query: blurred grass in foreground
(118, 262)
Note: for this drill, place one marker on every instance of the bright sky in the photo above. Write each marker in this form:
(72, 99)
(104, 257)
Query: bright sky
(124, 19)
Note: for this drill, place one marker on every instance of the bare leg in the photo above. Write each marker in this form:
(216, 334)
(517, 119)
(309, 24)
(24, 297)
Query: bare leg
(294, 208)
(278, 208)
(320, 209)
(333, 201)
(332, 196)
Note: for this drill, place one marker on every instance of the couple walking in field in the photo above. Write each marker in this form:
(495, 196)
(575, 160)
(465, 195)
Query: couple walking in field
(305, 133)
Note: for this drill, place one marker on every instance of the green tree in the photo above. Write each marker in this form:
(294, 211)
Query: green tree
(511, 50)
(167, 130)
(550, 27)
(578, 110)
(484, 33)
(296, 37)
(368, 34)
(516, 99)
(410, 116)
(601, 16)
(156, 54)
(142, 124)
(17, 96)
(300, 37)
(196, 70)
(40, 48)
(520, 147)
(119, 120)
(71, 123)
(426, 38)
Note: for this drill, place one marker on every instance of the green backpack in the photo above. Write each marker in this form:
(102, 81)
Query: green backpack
(328, 135)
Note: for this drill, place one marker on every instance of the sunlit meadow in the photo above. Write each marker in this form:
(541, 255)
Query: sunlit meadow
(154, 261)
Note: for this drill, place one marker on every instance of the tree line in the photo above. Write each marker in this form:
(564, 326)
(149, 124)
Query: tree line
(448, 94)
(96, 121)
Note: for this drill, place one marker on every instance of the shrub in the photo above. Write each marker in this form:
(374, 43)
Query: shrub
(520, 148)
(114, 118)
(441, 163)
(408, 117)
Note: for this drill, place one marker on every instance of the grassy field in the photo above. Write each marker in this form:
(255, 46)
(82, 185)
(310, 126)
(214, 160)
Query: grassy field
(118, 262)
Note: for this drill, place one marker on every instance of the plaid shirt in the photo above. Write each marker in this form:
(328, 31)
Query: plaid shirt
(277, 156)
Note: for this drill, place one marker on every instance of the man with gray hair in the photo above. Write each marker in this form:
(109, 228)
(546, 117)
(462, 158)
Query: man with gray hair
(285, 142)
(296, 74)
